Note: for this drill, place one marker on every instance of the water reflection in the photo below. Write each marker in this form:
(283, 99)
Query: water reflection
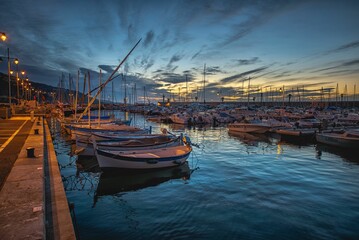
(120, 181)
(346, 154)
(295, 140)
(250, 138)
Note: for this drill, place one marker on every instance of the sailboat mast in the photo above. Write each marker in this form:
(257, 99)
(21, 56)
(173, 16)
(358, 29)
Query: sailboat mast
(77, 92)
(249, 87)
(112, 95)
(186, 88)
(204, 83)
(144, 95)
(99, 101)
(89, 99)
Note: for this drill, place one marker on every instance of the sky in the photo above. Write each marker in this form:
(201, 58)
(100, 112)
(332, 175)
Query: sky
(189, 49)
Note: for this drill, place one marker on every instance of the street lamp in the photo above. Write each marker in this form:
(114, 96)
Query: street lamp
(16, 61)
(22, 83)
(3, 37)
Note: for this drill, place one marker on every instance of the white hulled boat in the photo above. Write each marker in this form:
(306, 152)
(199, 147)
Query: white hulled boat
(348, 139)
(170, 156)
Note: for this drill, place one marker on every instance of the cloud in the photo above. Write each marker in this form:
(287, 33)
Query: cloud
(253, 16)
(247, 61)
(170, 77)
(346, 47)
(351, 63)
(174, 58)
(238, 77)
(341, 65)
(213, 70)
(107, 68)
(196, 54)
(149, 38)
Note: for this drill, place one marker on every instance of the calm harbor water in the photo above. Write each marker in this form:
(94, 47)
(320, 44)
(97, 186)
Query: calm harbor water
(234, 187)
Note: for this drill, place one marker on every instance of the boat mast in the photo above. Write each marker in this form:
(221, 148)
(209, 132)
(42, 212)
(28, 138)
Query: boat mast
(144, 95)
(107, 81)
(125, 100)
(99, 101)
(354, 96)
(113, 100)
(204, 83)
(77, 92)
(89, 99)
(249, 87)
(186, 88)
(336, 95)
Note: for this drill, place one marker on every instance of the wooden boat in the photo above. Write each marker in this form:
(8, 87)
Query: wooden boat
(348, 139)
(302, 136)
(128, 142)
(170, 156)
(180, 118)
(297, 132)
(99, 135)
(87, 130)
(254, 126)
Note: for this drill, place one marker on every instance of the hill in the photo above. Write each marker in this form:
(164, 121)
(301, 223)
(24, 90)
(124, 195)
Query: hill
(48, 93)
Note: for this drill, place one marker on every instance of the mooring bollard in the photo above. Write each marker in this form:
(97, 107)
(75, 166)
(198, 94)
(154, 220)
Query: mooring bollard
(30, 152)
(36, 131)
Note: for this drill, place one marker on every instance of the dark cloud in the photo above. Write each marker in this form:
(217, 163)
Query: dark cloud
(195, 55)
(213, 70)
(283, 74)
(107, 68)
(174, 78)
(149, 38)
(341, 65)
(346, 46)
(238, 77)
(247, 61)
(143, 62)
(255, 15)
(351, 63)
(174, 58)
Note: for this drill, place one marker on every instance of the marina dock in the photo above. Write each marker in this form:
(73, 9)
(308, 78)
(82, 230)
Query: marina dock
(33, 203)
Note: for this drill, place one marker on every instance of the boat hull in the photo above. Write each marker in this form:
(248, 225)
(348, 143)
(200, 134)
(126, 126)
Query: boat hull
(248, 128)
(338, 141)
(85, 148)
(138, 160)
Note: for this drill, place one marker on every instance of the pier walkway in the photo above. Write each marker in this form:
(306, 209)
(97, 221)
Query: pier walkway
(33, 203)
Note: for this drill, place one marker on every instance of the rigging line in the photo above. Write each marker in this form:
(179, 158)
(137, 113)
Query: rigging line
(108, 80)
(101, 85)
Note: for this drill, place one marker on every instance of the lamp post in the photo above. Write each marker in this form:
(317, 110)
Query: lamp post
(3, 38)
(16, 61)
(23, 84)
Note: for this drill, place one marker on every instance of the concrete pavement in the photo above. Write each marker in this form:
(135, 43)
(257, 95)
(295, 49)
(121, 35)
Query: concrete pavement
(27, 210)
